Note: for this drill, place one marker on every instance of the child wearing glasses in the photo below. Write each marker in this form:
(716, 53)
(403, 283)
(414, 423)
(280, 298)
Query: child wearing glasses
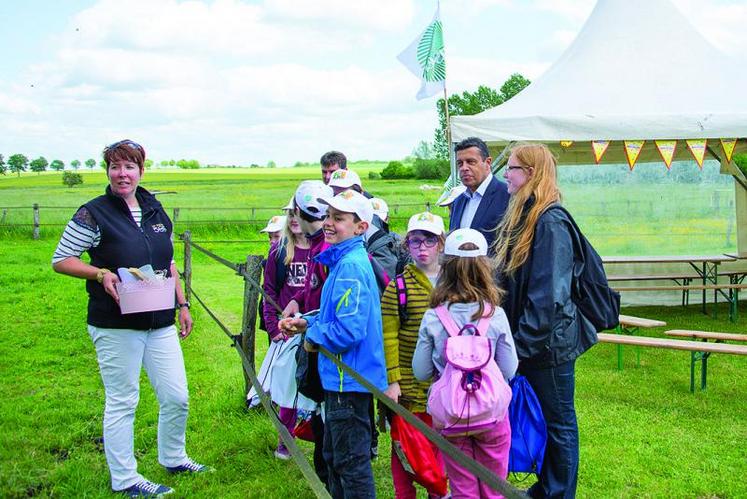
(403, 304)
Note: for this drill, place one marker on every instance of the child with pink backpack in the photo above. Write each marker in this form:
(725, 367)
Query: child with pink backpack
(465, 342)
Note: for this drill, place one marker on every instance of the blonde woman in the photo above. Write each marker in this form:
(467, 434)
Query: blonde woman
(535, 260)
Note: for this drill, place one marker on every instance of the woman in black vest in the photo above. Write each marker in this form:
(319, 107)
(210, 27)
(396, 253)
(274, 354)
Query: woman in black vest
(127, 227)
(535, 261)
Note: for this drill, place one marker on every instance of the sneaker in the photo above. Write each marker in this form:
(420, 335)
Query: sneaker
(147, 489)
(282, 452)
(190, 467)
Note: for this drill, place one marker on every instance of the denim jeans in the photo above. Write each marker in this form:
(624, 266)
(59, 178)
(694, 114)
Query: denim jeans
(555, 388)
(347, 445)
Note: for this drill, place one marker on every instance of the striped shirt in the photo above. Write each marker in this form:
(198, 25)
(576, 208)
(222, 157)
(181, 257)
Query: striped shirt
(400, 339)
(82, 233)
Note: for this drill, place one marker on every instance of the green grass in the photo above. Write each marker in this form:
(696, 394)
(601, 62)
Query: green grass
(643, 434)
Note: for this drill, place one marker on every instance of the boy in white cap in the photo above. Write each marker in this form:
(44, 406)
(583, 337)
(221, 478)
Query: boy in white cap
(348, 325)
(342, 180)
(274, 228)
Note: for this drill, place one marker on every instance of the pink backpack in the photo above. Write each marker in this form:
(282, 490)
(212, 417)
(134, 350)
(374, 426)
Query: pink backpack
(471, 394)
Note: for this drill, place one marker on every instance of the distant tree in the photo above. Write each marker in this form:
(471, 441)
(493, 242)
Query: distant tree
(148, 163)
(188, 164)
(424, 150)
(172, 162)
(3, 168)
(75, 164)
(395, 169)
(39, 164)
(165, 163)
(90, 163)
(71, 179)
(57, 165)
(469, 103)
(18, 163)
(431, 168)
(102, 164)
(271, 164)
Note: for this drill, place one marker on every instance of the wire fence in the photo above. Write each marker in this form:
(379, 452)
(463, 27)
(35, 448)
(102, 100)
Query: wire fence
(244, 345)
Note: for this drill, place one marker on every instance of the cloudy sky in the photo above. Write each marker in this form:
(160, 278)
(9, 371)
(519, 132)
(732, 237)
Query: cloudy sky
(240, 82)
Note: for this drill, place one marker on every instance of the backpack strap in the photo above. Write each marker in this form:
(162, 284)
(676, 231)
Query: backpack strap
(447, 321)
(281, 269)
(451, 327)
(401, 287)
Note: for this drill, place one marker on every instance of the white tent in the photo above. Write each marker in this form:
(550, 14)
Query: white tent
(638, 70)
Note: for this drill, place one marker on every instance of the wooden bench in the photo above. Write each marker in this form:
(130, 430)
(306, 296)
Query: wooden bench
(680, 279)
(704, 350)
(706, 335)
(733, 296)
(629, 324)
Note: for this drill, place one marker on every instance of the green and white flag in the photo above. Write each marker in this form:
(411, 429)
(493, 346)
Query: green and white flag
(425, 58)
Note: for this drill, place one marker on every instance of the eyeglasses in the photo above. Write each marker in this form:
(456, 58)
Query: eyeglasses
(515, 167)
(428, 242)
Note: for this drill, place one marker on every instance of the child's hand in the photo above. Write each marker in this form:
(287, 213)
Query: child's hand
(292, 325)
(310, 347)
(393, 391)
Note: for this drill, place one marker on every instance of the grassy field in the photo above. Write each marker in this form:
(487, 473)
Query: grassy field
(642, 433)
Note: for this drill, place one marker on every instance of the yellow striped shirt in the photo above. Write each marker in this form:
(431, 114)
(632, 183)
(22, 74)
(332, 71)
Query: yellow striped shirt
(400, 339)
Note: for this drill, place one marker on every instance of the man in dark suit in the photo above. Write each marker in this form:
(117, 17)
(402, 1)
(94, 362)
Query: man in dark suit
(483, 203)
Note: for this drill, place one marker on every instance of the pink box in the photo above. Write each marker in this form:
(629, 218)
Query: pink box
(146, 296)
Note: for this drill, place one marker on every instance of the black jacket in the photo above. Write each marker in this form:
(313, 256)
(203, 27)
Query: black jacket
(547, 328)
(489, 213)
(124, 244)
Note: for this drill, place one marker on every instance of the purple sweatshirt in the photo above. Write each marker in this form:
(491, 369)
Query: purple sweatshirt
(295, 278)
(310, 296)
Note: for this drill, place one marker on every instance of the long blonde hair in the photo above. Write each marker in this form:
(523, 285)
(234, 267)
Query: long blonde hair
(288, 240)
(515, 233)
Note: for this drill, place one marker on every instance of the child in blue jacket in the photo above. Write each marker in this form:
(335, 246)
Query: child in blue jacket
(348, 325)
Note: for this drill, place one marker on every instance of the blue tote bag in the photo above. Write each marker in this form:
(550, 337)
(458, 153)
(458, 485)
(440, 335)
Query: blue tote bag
(528, 430)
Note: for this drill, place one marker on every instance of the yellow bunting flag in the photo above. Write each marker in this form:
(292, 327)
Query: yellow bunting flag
(633, 149)
(599, 147)
(728, 145)
(565, 144)
(666, 149)
(697, 149)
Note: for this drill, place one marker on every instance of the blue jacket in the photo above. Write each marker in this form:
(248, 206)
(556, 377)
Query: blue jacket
(349, 319)
(490, 212)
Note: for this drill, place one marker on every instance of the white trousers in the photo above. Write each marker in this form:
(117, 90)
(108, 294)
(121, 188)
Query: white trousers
(121, 354)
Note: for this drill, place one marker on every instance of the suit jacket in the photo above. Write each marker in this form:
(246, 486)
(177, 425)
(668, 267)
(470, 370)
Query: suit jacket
(489, 213)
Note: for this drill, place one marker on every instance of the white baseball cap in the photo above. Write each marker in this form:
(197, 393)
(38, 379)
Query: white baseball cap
(452, 195)
(345, 179)
(289, 206)
(427, 222)
(275, 224)
(380, 208)
(308, 196)
(350, 201)
(462, 236)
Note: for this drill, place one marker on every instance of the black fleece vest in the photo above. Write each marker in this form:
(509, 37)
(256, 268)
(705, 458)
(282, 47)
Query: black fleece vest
(124, 244)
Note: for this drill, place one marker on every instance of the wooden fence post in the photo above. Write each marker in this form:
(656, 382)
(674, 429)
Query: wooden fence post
(187, 273)
(428, 206)
(5, 214)
(249, 318)
(36, 220)
(175, 218)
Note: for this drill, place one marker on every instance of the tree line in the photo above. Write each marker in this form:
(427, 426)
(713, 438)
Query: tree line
(18, 163)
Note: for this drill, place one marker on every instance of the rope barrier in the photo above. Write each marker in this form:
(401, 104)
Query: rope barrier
(439, 441)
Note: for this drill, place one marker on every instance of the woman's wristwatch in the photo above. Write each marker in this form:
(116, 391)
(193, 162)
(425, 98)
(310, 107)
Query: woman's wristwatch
(183, 305)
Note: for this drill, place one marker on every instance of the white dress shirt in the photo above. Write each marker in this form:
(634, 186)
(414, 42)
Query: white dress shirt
(473, 202)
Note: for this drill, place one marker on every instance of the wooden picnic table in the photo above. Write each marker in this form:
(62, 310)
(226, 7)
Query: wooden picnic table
(706, 267)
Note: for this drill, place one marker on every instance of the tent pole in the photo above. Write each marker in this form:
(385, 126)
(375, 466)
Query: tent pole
(740, 202)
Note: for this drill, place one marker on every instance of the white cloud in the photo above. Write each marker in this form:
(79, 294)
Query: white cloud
(722, 23)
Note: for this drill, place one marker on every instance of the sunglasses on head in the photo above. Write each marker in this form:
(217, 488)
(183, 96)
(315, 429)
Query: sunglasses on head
(126, 142)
